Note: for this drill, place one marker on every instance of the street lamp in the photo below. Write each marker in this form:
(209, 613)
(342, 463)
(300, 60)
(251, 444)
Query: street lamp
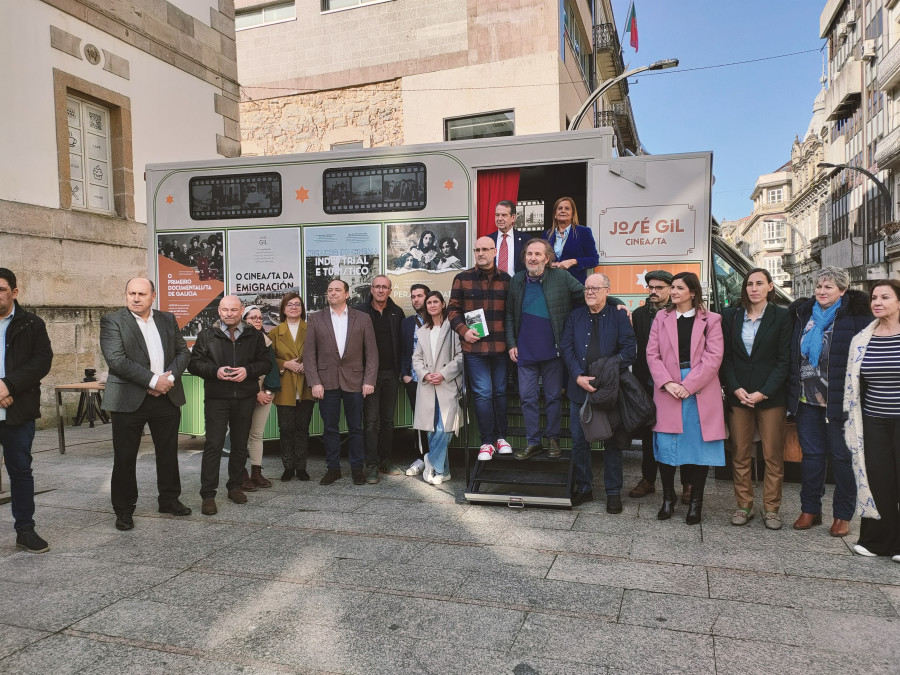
(599, 91)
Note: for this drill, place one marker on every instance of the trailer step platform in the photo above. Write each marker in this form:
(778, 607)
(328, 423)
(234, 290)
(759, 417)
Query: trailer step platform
(539, 481)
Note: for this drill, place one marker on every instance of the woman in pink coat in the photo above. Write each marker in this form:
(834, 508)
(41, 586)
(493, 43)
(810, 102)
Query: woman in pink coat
(684, 354)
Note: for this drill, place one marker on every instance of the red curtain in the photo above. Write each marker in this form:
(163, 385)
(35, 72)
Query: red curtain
(494, 185)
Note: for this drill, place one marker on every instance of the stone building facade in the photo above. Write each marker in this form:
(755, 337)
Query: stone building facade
(98, 89)
(313, 77)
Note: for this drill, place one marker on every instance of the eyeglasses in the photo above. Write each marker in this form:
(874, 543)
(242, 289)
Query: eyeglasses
(254, 318)
(595, 289)
(294, 305)
(484, 250)
(381, 287)
(656, 288)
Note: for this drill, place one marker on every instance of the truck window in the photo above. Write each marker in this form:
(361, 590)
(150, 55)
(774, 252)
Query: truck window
(728, 282)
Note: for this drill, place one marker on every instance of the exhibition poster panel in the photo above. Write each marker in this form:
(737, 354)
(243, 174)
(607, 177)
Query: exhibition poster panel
(348, 252)
(426, 252)
(263, 265)
(191, 277)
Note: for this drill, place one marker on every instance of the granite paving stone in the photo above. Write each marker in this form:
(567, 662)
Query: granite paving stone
(485, 559)
(747, 657)
(625, 573)
(14, 638)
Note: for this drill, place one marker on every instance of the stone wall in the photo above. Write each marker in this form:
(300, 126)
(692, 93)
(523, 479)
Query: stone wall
(313, 122)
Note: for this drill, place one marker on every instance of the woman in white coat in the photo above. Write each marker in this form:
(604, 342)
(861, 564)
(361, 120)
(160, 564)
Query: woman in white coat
(438, 364)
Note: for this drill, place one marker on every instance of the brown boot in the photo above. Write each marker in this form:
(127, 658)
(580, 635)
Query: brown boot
(642, 489)
(258, 479)
(247, 484)
(686, 493)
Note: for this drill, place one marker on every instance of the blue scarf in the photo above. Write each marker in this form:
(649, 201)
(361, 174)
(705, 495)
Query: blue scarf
(811, 345)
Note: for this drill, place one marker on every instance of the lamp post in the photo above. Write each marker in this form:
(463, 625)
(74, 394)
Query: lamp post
(599, 91)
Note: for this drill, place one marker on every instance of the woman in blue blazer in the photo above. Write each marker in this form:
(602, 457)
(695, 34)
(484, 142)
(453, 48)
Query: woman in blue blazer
(572, 243)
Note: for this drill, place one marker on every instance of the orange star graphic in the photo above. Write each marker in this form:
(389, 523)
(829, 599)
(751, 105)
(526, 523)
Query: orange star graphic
(170, 199)
(302, 194)
(448, 185)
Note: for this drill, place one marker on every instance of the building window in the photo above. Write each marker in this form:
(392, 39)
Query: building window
(773, 265)
(251, 18)
(331, 5)
(774, 231)
(577, 41)
(487, 125)
(90, 163)
(776, 195)
(348, 145)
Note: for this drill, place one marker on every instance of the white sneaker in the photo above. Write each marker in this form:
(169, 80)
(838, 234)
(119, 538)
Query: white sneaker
(896, 558)
(503, 448)
(862, 550)
(428, 471)
(487, 452)
(436, 479)
(415, 468)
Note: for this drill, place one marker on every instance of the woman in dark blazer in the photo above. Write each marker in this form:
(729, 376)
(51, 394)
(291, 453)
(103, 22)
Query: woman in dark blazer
(754, 373)
(573, 244)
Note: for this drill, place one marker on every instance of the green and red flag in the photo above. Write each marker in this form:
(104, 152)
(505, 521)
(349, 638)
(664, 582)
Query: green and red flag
(631, 26)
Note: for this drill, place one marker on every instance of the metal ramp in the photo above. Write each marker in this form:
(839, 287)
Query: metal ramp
(538, 481)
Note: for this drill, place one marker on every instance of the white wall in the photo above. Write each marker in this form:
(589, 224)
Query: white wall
(173, 116)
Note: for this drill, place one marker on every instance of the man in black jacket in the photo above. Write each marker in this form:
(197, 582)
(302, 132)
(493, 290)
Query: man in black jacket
(659, 283)
(230, 357)
(25, 357)
(408, 342)
(379, 407)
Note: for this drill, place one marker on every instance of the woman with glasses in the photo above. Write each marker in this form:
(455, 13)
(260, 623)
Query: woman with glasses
(684, 354)
(572, 243)
(754, 371)
(268, 384)
(295, 400)
(437, 362)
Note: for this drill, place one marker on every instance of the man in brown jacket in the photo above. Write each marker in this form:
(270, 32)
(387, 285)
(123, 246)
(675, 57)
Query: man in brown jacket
(341, 364)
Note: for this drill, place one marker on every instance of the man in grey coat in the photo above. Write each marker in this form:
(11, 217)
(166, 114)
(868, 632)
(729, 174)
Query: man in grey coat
(146, 355)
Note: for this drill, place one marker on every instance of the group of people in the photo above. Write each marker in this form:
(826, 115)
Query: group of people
(431, 254)
(831, 361)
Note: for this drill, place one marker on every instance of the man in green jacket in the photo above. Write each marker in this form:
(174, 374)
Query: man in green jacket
(539, 301)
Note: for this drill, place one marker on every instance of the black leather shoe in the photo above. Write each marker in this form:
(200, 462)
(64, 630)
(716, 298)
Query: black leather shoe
(124, 521)
(614, 504)
(330, 476)
(694, 513)
(359, 476)
(287, 475)
(668, 506)
(28, 540)
(176, 508)
(579, 498)
(529, 452)
(302, 475)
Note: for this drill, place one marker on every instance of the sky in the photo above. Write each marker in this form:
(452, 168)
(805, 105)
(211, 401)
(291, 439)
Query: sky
(747, 114)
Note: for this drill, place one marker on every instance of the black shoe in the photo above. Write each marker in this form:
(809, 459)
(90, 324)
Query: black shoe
(579, 498)
(614, 503)
(529, 452)
(124, 521)
(302, 475)
(359, 476)
(330, 476)
(694, 513)
(28, 540)
(176, 508)
(287, 475)
(668, 506)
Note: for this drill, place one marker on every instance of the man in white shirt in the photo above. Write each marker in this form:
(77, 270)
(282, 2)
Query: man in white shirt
(340, 359)
(146, 355)
(510, 242)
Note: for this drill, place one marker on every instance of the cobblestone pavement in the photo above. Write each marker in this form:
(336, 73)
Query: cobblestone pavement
(404, 577)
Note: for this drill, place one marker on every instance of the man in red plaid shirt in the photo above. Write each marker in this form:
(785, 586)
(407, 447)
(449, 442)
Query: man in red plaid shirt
(484, 287)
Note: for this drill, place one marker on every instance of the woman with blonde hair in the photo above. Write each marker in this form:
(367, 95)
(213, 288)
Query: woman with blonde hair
(572, 243)
(268, 385)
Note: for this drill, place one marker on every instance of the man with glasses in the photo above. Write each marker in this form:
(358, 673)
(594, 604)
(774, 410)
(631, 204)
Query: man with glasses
(484, 287)
(509, 242)
(659, 283)
(408, 341)
(591, 333)
(539, 301)
(380, 405)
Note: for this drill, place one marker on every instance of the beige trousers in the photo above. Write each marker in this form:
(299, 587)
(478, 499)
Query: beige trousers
(771, 425)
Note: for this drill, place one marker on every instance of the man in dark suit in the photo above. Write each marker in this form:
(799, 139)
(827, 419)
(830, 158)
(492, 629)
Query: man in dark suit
(340, 359)
(510, 242)
(146, 355)
(408, 342)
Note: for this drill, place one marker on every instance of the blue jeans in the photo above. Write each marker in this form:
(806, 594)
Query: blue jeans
(15, 439)
(582, 461)
(330, 409)
(552, 373)
(487, 378)
(819, 438)
(438, 440)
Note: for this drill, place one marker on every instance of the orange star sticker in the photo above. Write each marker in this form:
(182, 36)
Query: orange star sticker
(448, 185)
(170, 199)
(302, 194)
